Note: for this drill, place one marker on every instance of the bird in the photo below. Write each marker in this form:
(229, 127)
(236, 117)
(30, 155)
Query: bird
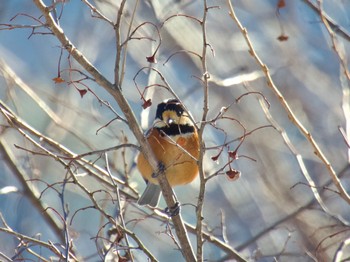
(174, 140)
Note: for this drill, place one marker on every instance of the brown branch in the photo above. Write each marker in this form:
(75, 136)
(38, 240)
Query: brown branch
(97, 12)
(23, 127)
(231, 253)
(298, 157)
(292, 215)
(229, 250)
(291, 116)
(117, 44)
(334, 40)
(182, 51)
(35, 241)
(9, 158)
(333, 25)
(120, 208)
(117, 94)
(205, 76)
(110, 218)
(10, 75)
(341, 54)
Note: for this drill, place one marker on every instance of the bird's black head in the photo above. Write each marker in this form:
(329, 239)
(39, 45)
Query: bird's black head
(172, 118)
(173, 105)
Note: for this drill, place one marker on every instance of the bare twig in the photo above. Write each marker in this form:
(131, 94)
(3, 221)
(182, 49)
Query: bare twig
(117, 94)
(20, 174)
(10, 75)
(27, 131)
(292, 215)
(299, 158)
(317, 151)
(94, 10)
(333, 30)
(122, 73)
(231, 253)
(35, 241)
(340, 251)
(333, 25)
(120, 208)
(205, 79)
(110, 218)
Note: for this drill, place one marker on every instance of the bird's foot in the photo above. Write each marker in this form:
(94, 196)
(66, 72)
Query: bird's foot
(161, 170)
(172, 211)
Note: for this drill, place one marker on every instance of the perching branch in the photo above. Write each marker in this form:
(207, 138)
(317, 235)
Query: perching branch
(116, 92)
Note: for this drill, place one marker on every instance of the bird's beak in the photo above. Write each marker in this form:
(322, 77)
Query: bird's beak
(169, 121)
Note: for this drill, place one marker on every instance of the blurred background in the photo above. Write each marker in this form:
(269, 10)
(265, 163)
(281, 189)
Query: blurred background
(270, 213)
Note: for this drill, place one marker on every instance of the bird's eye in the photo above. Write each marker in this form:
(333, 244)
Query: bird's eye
(179, 112)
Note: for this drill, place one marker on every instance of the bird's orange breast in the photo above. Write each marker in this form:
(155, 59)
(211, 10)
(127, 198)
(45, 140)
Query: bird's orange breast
(179, 157)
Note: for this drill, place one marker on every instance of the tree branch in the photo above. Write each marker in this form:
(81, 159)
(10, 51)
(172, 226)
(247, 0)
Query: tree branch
(291, 116)
(117, 94)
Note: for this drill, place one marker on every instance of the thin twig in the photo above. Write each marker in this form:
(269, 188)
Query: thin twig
(125, 46)
(299, 158)
(26, 130)
(205, 79)
(333, 25)
(22, 237)
(332, 30)
(110, 218)
(291, 116)
(120, 208)
(96, 11)
(117, 94)
(118, 45)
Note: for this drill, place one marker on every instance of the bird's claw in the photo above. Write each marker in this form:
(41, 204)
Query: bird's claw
(172, 211)
(161, 170)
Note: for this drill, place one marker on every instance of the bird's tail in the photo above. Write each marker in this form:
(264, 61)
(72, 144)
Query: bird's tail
(150, 196)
